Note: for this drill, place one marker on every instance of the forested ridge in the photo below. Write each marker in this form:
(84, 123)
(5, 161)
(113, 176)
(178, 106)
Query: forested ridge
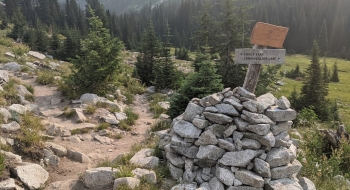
(326, 21)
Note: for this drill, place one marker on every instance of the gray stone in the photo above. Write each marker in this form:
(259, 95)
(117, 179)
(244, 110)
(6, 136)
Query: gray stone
(5, 114)
(292, 152)
(245, 93)
(241, 124)
(215, 184)
(37, 55)
(4, 77)
(12, 158)
(54, 160)
(286, 171)
(218, 130)
(120, 116)
(33, 176)
(249, 178)
(186, 186)
(260, 129)
(237, 136)
(22, 90)
(204, 186)
(89, 98)
(57, 149)
(10, 54)
(78, 156)
(12, 66)
(176, 140)
(11, 127)
(191, 111)
(255, 118)
(151, 89)
(225, 176)
(148, 175)
(190, 152)
(18, 108)
(55, 101)
(80, 115)
(239, 158)
(267, 100)
(282, 140)
(217, 118)
(281, 127)
(306, 184)
(226, 145)
(144, 159)
(253, 106)
(278, 157)
(99, 178)
(8, 184)
(189, 164)
(244, 188)
(234, 103)
(164, 105)
(283, 103)
(128, 181)
(277, 114)
(51, 112)
(262, 168)
(211, 109)
(227, 109)
(207, 138)
(229, 131)
(250, 144)
(102, 140)
(283, 184)
(55, 129)
(189, 176)
(186, 129)
(175, 172)
(214, 99)
(267, 140)
(200, 123)
(175, 159)
(210, 152)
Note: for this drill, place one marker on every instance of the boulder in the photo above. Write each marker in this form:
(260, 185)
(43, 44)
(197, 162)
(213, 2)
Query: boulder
(215, 184)
(278, 157)
(281, 127)
(5, 114)
(100, 178)
(11, 127)
(245, 93)
(200, 123)
(186, 129)
(210, 152)
(18, 108)
(267, 100)
(283, 103)
(217, 118)
(57, 149)
(255, 118)
(78, 156)
(151, 89)
(286, 171)
(175, 159)
(207, 138)
(22, 90)
(12, 66)
(8, 184)
(283, 184)
(262, 168)
(175, 172)
(4, 77)
(128, 181)
(120, 116)
(33, 176)
(37, 55)
(224, 144)
(144, 159)
(227, 109)
(191, 111)
(306, 184)
(234, 103)
(277, 114)
(225, 176)
(259, 129)
(80, 115)
(13, 158)
(89, 98)
(148, 175)
(186, 186)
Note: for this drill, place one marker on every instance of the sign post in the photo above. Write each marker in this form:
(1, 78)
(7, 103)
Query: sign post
(263, 35)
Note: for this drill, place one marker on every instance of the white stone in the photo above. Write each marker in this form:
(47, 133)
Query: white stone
(100, 178)
(37, 55)
(33, 176)
(148, 175)
(128, 181)
(144, 159)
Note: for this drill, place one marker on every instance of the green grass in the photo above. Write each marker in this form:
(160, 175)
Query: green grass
(337, 91)
(90, 109)
(9, 95)
(45, 77)
(102, 126)
(154, 107)
(161, 125)
(81, 130)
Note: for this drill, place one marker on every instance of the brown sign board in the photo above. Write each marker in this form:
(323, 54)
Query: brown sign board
(268, 35)
(259, 56)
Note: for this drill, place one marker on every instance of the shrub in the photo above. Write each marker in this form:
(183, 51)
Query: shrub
(20, 49)
(306, 117)
(125, 171)
(103, 126)
(45, 76)
(154, 107)
(90, 109)
(132, 116)
(10, 93)
(29, 87)
(69, 113)
(80, 131)
(8, 42)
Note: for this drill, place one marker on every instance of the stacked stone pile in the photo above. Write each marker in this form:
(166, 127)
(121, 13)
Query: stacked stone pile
(233, 140)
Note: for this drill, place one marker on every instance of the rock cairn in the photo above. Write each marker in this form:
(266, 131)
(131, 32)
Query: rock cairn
(233, 140)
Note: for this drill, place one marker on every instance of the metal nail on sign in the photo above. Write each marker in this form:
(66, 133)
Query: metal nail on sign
(259, 56)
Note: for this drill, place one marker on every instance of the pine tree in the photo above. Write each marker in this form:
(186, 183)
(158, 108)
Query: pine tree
(164, 69)
(323, 38)
(147, 58)
(19, 27)
(314, 90)
(198, 84)
(95, 71)
(325, 72)
(335, 77)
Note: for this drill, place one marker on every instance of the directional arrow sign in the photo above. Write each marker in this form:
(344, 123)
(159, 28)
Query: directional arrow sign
(259, 56)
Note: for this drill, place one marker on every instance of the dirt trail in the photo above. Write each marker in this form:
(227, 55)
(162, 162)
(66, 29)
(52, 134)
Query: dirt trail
(96, 151)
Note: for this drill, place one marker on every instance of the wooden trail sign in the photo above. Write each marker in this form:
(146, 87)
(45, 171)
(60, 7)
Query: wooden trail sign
(263, 35)
(260, 56)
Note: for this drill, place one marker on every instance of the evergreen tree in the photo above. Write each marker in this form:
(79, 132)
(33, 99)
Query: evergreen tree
(314, 90)
(323, 38)
(95, 71)
(19, 27)
(198, 84)
(164, 69)
(335, 77)
(205, 33)
(146, 60)
(55, 45)
(325, 72)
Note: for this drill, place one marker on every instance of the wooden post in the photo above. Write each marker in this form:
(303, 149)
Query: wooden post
(252, 76)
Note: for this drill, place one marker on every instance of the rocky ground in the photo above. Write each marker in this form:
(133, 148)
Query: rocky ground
(69, 156)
